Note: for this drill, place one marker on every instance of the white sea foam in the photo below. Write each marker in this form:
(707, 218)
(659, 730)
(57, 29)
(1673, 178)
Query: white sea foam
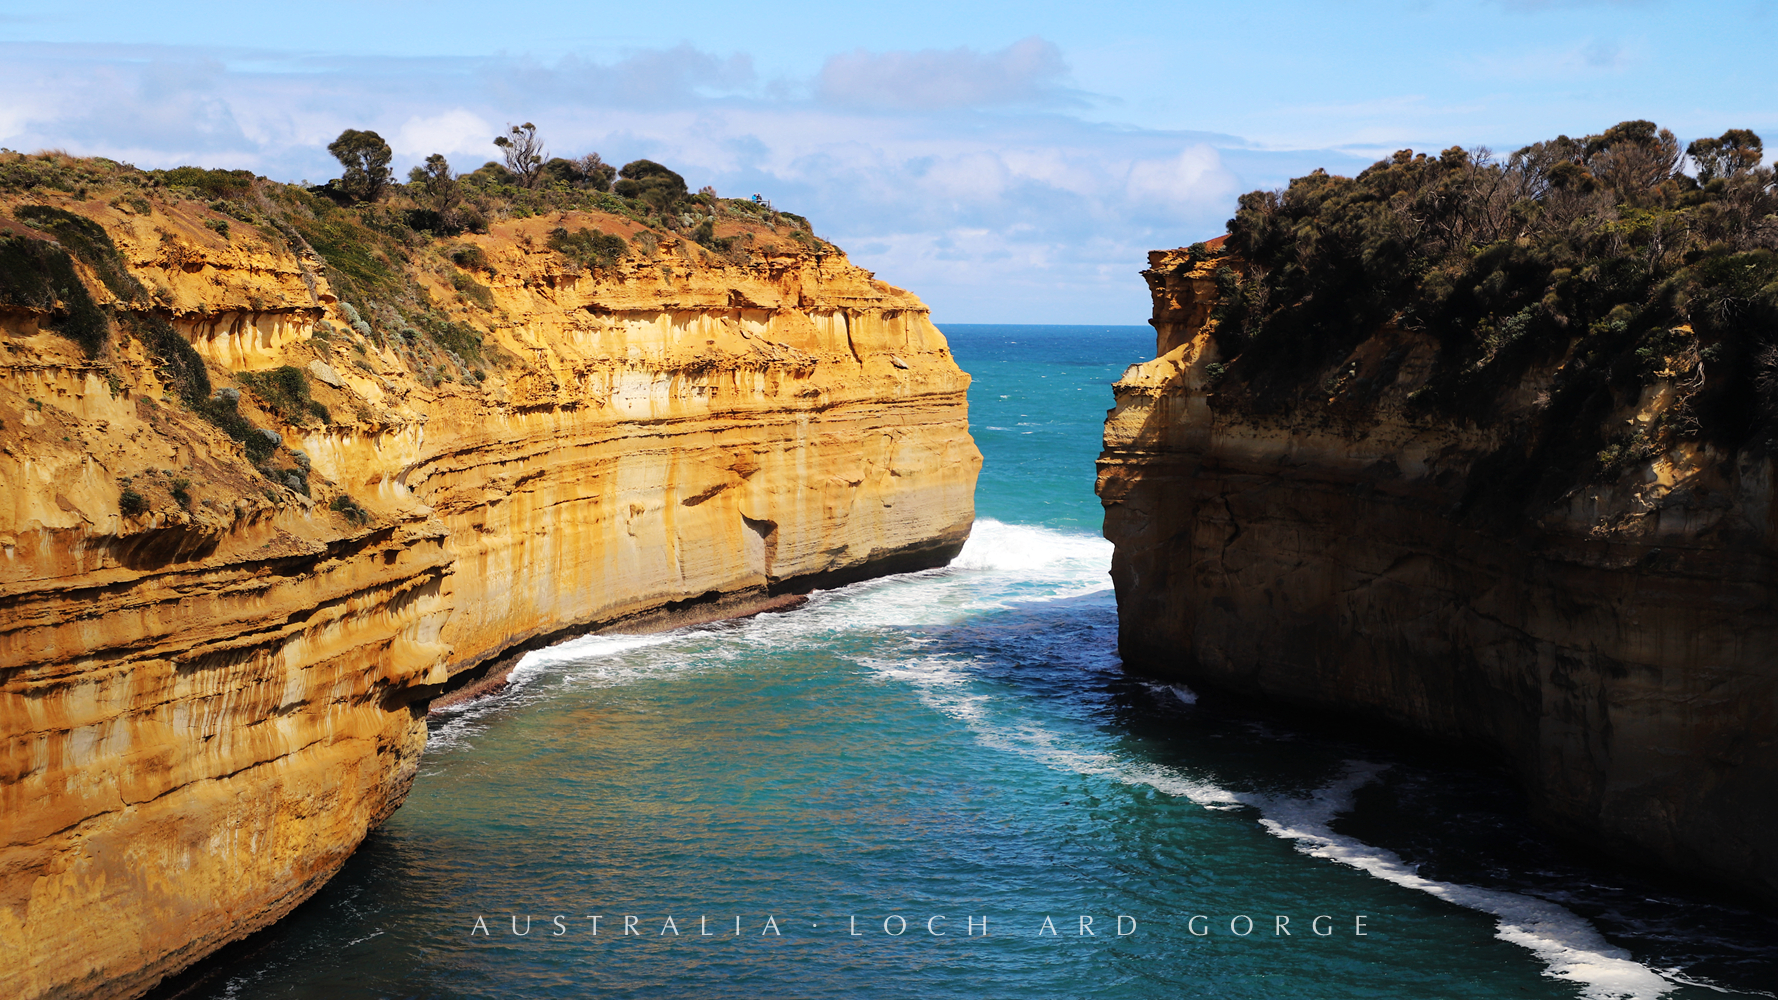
(1568, 945)
(1179, 691)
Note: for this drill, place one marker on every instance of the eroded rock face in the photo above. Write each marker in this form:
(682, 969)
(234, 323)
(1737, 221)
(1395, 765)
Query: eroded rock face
(209, 699)
(1617, 647)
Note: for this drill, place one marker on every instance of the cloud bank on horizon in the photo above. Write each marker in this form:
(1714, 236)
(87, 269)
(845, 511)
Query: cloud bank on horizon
(1003, 181)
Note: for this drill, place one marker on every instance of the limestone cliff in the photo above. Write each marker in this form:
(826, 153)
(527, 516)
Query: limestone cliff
(223, 613)
(1348, 546)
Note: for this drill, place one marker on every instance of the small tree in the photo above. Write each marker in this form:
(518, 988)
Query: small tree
(1734, 152)
(597, 172)
(366, 158)
(437, 188)
(524, 153)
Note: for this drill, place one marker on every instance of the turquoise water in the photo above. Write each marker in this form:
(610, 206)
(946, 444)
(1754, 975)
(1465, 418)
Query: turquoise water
(923, 753)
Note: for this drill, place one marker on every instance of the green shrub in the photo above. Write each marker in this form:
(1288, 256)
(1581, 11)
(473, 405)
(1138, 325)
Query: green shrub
(350, 509)
(38, 275)
(131, 503)
(461, 338)
(220, 225)
(473, 290)
(181, 491)
(363, 262)
(469, 255)
(588, 247)
(284, 390)
(88, 241)
(211, 183)
(651, 183)
(176, 361)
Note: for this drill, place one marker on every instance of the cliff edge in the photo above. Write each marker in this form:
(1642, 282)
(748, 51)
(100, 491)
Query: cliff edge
(277, 472)
(1512, 487)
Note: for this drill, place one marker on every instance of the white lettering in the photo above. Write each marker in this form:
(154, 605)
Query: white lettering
(670, 926)
(1283, 925)
(480, 925)
(1244, 933)
(1192, 925)
(897, 932)
(1047, 925)
(561, 928)
(984, 926)
(595, 918)
(515, 925)
(771, 927)
(1358, 927)
(630, 926)
(1086, 927)
(704, 927)
(855, 927)
(1315, 925)
(1120, 925)
(929, 929)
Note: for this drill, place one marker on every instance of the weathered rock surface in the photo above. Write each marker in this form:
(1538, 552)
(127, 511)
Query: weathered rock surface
(1620, 648)
(207, 705)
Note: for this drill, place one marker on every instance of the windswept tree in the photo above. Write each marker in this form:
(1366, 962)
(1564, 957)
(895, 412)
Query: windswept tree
(1632, 158)
(524, 153)
(366, 158)
(649, 182)
(1735, 152)
(436, 188)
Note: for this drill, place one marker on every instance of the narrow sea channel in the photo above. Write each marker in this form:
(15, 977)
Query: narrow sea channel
(861, 785)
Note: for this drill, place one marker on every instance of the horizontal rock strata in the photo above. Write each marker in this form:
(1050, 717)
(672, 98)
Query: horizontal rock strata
(208, 700)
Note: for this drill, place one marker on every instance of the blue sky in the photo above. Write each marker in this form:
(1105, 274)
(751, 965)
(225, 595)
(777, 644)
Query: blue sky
(1009, 162)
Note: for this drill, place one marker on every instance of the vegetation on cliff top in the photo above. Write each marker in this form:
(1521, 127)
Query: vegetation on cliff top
(379, 242)
(1615, 259)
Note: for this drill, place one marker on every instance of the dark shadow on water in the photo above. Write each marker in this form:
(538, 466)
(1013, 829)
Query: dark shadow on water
(1454, 814)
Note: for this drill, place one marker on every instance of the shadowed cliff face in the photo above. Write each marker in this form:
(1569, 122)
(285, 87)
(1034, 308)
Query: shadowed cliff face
(1352, 550)
(215, 665)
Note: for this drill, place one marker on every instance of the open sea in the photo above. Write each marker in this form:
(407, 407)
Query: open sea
(944, 785)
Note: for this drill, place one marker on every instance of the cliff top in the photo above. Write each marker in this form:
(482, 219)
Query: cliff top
(179, 346)
(1606, 304)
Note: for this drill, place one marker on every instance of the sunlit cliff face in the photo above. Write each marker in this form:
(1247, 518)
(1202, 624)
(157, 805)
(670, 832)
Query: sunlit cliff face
(211, 692)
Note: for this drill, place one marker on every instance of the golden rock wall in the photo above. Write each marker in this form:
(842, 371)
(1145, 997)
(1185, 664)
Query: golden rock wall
(208, 705)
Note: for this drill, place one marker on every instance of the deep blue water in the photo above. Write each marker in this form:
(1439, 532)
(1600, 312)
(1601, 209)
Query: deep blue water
(930, 751)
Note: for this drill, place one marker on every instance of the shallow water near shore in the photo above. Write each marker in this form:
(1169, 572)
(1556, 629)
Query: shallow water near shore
(834, 801)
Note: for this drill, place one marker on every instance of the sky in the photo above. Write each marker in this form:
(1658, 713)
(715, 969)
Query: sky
(1008, 162)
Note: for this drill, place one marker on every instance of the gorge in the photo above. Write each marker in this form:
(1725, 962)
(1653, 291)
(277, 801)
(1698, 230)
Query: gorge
(280, 473)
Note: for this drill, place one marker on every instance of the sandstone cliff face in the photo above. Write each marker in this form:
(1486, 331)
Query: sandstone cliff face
(1344, 551)
(208, 703)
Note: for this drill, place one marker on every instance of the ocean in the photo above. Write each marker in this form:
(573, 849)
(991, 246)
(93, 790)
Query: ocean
(944, 784)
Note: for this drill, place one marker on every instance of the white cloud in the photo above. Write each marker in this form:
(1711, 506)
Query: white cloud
(456, 131)
(1195, 177)
(997, 215)
(1027, 72)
